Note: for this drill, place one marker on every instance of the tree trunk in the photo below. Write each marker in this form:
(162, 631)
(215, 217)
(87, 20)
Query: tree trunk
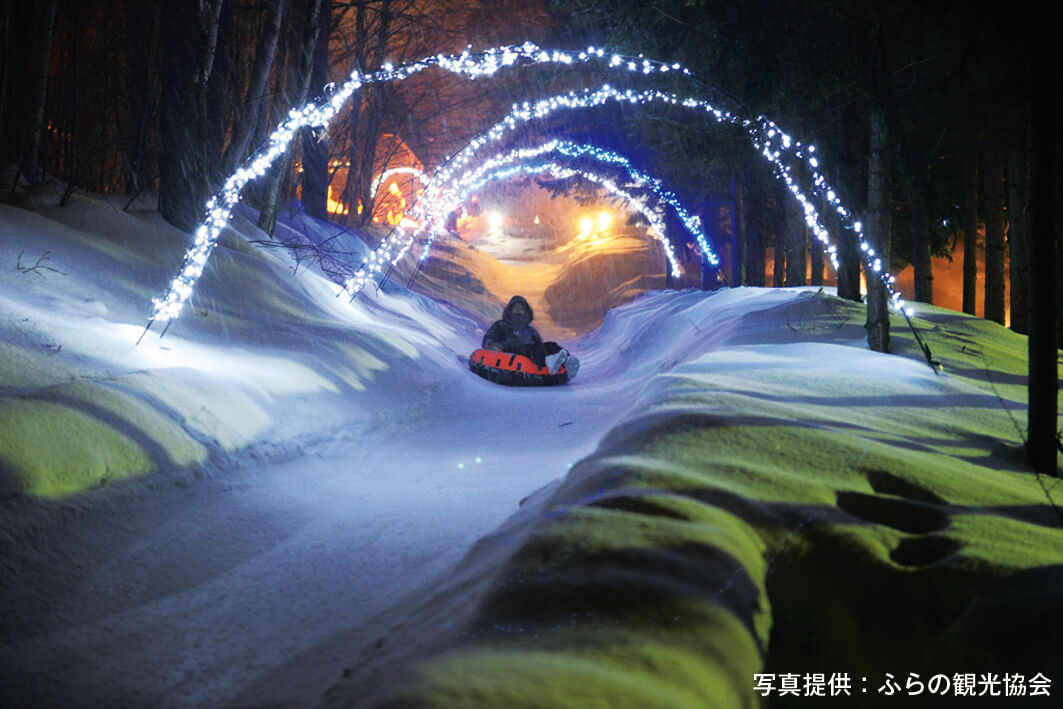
(364, 153)
(970, 239)
(1043, 391)
(878, 320)
(1059, 247)
(796, 245)
(921, 263)
(994, 237)
(848, 255)
(315, 147)
(848, 260)
(738, 232)
(187, 39)
(779, 213)
(816, 257)
(753, 230)
(69, 100)
(298, 85)
(30, 166)
(5, 57)
(878, 323)
(141, 94)
(1017, 244)
(254, 103)
(216, 95)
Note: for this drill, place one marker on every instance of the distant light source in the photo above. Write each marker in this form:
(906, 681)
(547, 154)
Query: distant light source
(603, 220)
(494, 220)
(585, 225)
(536, 218)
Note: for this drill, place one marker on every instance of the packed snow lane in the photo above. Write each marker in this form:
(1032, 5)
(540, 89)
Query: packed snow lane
(351, 460)
(195, 592)
(184, 594)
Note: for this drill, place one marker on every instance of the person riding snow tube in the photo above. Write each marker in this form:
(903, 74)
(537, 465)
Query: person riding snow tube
(514, 354)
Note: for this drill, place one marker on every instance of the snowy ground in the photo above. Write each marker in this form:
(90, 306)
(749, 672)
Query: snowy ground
(288, 493)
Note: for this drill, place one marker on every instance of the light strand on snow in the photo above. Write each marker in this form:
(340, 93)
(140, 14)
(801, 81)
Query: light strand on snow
(321, 113)
(376, 264)
(459, 190)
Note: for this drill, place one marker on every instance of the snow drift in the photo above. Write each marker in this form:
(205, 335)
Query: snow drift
(289, 494)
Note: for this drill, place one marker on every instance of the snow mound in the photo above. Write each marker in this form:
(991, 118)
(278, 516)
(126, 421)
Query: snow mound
(734, 484)
(785, 501)
(82, 404)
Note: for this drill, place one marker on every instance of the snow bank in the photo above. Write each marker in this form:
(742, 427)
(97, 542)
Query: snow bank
(81, 404)
(748, 488)
(785, 502)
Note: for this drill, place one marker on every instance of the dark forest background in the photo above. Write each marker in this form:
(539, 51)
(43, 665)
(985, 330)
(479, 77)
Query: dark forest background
(937, 121)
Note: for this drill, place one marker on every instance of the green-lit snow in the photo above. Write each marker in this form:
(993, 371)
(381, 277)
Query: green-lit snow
(776, 498)
(803, 506)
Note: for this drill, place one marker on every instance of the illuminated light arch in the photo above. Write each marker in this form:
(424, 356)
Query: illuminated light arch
(360, 280)
(444, 178)
(391, 172)
(320, 114)
(765, 135)
(457, 191)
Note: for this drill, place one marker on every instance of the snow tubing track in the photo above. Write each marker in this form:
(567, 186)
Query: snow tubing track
(513, 369)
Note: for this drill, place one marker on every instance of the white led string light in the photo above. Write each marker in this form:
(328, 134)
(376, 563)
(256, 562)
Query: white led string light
(375, 265)
(771, 143)
(319, 114)
(762, 133)
(458, 191)
(391, 172)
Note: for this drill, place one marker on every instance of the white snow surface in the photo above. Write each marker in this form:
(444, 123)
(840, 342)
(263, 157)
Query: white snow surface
(349, 483)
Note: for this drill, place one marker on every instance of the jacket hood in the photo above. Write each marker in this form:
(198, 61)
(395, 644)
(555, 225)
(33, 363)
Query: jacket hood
(514, 301)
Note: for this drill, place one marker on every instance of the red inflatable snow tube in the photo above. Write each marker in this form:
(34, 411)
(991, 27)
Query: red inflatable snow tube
(513, 369)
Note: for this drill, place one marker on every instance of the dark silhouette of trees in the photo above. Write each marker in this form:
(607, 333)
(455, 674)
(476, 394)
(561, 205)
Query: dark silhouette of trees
(1018, 243)
(970, 235)
(254, 100)
(293, 91)
(190, 91)
(926, 129)
(994, 235)
(1043, 441)
(31, 158)
(188, 43)
(878, 214)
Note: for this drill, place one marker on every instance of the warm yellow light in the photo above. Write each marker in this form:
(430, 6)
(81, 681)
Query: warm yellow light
(494, 220)
(585, 225)
(603, 220)
(335, 206)
(393, 189)
(536, 218)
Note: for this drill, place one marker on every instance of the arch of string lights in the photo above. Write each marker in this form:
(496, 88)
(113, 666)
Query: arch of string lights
(391, 172)
(766, 137)
(471, 180)
(763, 132)
(364, 277)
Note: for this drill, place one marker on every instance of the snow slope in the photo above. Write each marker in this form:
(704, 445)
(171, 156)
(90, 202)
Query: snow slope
(787, 502)
(288, 492)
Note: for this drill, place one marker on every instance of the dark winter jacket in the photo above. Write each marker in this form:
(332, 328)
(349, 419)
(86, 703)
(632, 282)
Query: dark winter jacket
(511, 335)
